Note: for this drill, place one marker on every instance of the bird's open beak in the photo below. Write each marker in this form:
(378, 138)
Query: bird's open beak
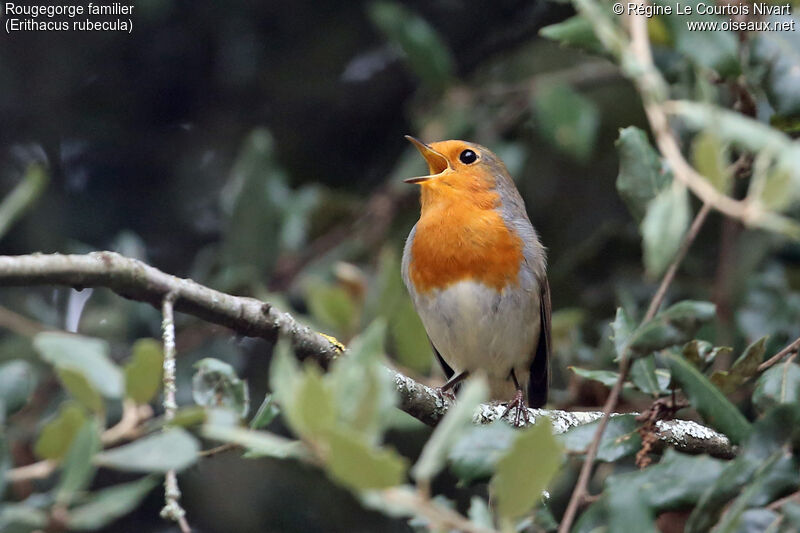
(437, 163)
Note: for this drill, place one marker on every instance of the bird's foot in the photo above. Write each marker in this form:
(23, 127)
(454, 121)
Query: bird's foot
(521, 415)
(446, 394)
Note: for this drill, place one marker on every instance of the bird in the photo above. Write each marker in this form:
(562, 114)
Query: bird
(476, 272)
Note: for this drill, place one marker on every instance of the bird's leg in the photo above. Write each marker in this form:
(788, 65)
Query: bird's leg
(447, 388)
(519, 403)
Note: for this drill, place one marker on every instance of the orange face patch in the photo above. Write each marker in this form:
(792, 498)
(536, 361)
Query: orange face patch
(461, 236)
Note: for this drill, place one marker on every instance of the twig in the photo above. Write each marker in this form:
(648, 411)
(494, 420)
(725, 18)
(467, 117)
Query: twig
(127, 427)
(137, 281)
(19, 324)
(172, 493)
(793, 347)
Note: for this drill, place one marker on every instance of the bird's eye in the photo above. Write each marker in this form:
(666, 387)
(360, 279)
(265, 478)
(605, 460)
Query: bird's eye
(468, 157)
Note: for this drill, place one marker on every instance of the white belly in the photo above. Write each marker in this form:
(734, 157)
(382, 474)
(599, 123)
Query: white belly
(477, 329)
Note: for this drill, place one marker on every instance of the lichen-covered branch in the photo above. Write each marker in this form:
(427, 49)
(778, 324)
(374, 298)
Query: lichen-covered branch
(138, 281)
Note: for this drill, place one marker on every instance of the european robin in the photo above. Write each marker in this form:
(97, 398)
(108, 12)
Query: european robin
(476, 272)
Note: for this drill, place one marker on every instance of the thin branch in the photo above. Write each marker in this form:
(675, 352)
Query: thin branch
(793, 347)
(137, 281)
(172, 493)
(440, 517)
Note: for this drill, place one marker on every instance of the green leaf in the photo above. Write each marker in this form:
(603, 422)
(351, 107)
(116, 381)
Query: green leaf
(284, 374)
(17, 382)
(702, 353)
(215, 384)
(745, 367)
(675, 325)
(353, 463)
(628, 509)
(568, 120)
(333, 307)
(78, 470)
(620, 438)
(23, 196)
(265, 414)
(641, 176)
(426, 53)
(409, 338)
(312, 412)
(710, 158)
(606, 377)
(475, 454)
(643, 375)
(106, 505)
(575, 32)
(717, 50)
(779, 384)
(519, 480)
(57, 435)
(622, 328)
(143, 371)
(708, 400)
(173, 449)
(450, 429)
(664, 225)
(257, 443)
(77, 385)
(479, 513)
(86, 355)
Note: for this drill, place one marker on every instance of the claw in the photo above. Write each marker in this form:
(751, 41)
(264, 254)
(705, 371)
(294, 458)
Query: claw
(521, 410)
(446, 394)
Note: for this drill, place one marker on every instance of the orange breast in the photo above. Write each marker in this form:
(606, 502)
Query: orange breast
(460, 240)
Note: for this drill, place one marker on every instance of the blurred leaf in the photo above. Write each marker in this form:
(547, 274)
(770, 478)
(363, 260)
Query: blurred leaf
(22, 197)
(265, 414)
(77, 385)
(628, 509)
(22, 518)
(641, 176)
(215, 384)
(708, 400)
(106, 505)
(717, 50)
(312, 413)
(364, 392)
(575, 32)
(779, 384)
(710, 158)
(622, 328)
(143, 371)
(173, 449)
(745, 367)
(85, 355)
(779, 52)
(357, 465)
(5, 462)
(620, 438)
(702, 353)
(643, 375)
(519, 480)
(567, 119)
(188, 416)
(57, 435)
(791, 510)
(257, 443)
(778, 191)
(450, 429)
(426, 53)
(284, 374)
(78, 470)
(606, 377)
(475, 454)
(17, 382)
(479, 513)
(675, 325)
(333, 307)
(664, 225)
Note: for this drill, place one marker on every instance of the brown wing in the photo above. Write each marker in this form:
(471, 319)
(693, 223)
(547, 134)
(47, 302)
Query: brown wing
(539, 379)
